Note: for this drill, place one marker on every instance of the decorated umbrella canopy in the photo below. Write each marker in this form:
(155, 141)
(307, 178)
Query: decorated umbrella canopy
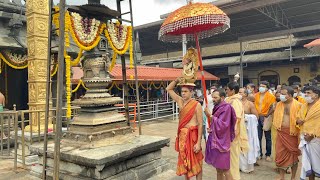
(196, 21)
(314, 46)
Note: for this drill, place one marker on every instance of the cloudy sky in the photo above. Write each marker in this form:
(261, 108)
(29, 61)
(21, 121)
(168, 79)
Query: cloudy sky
(144, 11)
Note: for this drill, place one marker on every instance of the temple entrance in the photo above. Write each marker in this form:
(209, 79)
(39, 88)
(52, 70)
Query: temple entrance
(293, 79)
(14, 86)
(271, 76)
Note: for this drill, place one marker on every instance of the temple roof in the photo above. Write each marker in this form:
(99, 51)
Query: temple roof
(145, 73)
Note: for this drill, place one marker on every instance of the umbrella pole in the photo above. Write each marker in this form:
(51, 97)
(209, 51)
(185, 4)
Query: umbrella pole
(203, 82)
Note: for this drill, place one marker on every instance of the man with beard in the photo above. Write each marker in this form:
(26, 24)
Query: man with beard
(188, 141)
(221, 134)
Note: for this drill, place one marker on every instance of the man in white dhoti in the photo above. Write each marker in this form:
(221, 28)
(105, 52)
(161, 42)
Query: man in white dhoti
(309, 123)
(248, 160)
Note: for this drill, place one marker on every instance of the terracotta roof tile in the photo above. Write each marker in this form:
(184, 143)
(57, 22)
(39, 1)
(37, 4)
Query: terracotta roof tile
(145, 73)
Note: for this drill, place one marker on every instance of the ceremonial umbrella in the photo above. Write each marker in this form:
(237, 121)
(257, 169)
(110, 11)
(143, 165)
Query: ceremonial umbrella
(196, 21)
(314, 46)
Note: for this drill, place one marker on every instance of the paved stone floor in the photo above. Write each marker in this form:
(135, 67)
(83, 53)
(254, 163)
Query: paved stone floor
(167, 128)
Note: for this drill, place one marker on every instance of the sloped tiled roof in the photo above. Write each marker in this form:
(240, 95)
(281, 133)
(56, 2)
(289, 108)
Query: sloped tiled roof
(145, 73)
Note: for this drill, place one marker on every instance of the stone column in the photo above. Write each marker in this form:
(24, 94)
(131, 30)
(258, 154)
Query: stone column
(37, 12)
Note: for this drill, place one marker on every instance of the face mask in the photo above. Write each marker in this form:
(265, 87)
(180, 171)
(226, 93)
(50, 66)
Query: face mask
(283, 98)
(295, 94)
(309, 99)
(249, 91)
(240, 97)
(262, 89)
(278, 99)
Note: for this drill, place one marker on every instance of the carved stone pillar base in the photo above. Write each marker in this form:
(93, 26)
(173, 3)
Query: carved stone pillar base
(98, 118)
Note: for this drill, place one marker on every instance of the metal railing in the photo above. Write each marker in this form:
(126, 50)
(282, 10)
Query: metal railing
(153, 110)
(12, 130)
(8, 123)
(13, 124)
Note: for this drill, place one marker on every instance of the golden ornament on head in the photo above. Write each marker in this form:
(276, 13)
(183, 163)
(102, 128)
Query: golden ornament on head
(186, 84)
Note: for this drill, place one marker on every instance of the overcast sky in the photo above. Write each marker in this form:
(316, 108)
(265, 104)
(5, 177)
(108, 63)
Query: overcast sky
(144, 11)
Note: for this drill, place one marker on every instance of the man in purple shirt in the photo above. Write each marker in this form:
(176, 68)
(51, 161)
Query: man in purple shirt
(221, 134)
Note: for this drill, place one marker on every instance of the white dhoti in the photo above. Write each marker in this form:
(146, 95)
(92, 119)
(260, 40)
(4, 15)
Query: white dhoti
(310, 157)
(247, 160)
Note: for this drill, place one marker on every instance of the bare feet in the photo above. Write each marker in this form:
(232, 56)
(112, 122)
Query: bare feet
(288, 171)
(279, 178)
(268, 159)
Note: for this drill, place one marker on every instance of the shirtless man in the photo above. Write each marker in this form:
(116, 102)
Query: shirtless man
(190, 128)
(287, 141)
(248, 106)
(248, 160)
(251, 91)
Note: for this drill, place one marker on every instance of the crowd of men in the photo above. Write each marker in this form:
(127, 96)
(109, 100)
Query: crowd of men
(234, 122)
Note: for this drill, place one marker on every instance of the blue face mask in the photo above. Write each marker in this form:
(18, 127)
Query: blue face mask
(283, 98)
(262, 89)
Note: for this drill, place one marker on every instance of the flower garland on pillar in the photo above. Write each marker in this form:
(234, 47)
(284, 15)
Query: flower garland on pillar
(85, 32)
(68, 85)
(80, 83)
(120, 39)
(15, 61)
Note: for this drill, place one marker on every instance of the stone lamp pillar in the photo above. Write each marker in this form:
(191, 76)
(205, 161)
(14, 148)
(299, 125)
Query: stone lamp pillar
(97, 118)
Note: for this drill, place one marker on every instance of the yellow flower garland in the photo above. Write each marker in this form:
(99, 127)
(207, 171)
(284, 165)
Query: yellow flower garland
(69, 63)
(156, 86)
(80, 83)
(117, 87)
(125, 48)
(77, 60)
(131, 52)
(131, 85)
(69, 28)
(55, 70)
(11, 65)
(75, 39)
(145, 88)
(128, 44)
(113, 61)
(68, 86)
(111, 85)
